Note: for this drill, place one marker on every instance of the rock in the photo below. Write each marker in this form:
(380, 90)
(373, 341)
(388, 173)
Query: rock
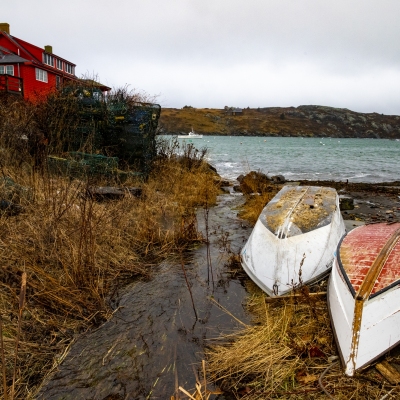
(102, 193)
(254, 182)
(237, 188)
(346, 202)
(10, 209)
(240, 178)
(221, 182)
(278, 179)
(212, 168)
(134, 191)
(13, 192)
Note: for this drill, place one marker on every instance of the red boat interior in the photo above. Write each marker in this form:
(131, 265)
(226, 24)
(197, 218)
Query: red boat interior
(369, 257)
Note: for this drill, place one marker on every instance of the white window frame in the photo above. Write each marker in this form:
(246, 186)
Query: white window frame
(7, 70)
(59, 64)
(41, 75)
(69, 68)
(48, 59)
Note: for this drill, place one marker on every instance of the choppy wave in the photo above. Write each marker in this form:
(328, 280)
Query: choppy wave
(356, 160)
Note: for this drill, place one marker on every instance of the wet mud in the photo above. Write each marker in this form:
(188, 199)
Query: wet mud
(154, 343)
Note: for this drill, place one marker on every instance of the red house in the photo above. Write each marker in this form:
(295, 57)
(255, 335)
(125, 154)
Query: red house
(30, 70)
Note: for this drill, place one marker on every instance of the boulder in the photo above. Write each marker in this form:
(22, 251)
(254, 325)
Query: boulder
(103, 193)
(240, 178)
(10, 209)
(278, 179)
(254, 182)
(212, 168)
(346, 202)
(14, 192)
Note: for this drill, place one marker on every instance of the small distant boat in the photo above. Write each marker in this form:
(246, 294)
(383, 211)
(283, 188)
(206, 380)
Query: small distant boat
(191, 135)
(364, 294)
(294, 239)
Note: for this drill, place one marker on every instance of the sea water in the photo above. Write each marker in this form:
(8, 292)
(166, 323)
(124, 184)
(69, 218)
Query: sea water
(338, 159)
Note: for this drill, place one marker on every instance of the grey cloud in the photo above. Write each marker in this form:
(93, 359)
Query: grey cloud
(215, 51)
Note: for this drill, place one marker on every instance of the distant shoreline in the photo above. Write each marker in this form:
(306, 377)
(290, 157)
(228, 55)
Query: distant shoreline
(277, 136)
(304, 121)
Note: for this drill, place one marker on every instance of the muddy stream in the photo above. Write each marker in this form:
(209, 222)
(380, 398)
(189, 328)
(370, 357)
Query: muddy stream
(153, 342)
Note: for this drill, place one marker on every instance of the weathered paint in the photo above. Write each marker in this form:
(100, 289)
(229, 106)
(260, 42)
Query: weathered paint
(294, 239)
(299, 209)
(375, 245)
(367, 280)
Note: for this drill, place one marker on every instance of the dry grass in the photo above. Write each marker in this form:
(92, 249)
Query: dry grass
(75, 251)
(284, 353)
(258, 191)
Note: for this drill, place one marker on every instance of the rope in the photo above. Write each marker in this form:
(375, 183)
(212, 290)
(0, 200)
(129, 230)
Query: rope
(322, 376)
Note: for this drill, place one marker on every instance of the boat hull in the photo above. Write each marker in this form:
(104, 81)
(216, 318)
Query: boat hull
(366, 321)
(276, 261)
(190, 137)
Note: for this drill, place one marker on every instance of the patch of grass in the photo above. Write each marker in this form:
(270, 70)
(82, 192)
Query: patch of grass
(74, 251)
(258, 191)
(283, 354)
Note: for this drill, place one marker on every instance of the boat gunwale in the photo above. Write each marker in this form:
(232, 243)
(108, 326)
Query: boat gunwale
(331, 319)
(344, 363)
(346, 278)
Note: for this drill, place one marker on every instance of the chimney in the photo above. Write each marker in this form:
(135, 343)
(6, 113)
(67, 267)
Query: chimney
(5, 27)
(48, 49)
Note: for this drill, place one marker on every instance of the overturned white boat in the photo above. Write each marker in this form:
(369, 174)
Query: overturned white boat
(364, 294)
(294, 239)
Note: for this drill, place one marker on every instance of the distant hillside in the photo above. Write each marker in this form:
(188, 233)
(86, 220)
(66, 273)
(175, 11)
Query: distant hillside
(319, 121)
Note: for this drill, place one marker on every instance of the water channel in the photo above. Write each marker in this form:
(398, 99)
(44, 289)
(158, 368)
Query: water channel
(153, 342)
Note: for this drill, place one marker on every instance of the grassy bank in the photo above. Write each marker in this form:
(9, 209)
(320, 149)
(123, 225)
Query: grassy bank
(63, 254)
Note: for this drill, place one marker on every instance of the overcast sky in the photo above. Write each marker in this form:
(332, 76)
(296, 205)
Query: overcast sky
(213, 53)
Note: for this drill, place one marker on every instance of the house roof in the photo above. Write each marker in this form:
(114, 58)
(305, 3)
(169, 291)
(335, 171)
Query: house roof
(91, 82)
(4, 50)
(10, 58)
(20, 47)
(28, 55)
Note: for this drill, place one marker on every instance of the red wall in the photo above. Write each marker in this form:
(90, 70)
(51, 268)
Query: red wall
(27, 72)
(7, 44)
(34, 50)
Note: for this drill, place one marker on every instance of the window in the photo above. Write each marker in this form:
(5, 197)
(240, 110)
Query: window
(7, 69)
(41, 75)
(58, 81)
(69, 68)
(59, 64)
(48, 59)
